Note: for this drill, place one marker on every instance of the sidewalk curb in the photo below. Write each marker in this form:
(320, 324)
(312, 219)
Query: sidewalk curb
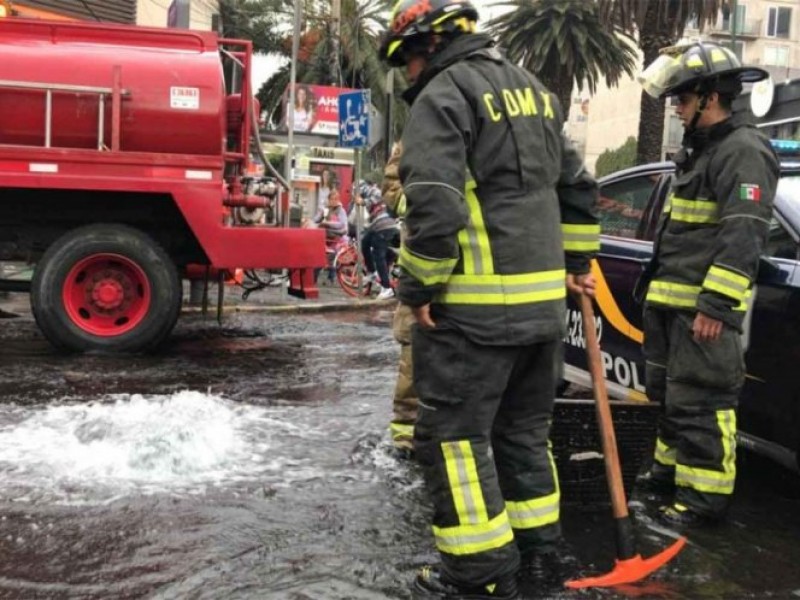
(295, 308)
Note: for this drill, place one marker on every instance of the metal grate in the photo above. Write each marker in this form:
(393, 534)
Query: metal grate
(578, 453)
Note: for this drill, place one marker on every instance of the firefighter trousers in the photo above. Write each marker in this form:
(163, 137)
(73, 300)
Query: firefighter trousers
(697, 384)
(481, 438)
(404, 403)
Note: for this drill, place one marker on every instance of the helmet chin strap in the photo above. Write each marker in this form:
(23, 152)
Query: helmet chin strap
(698, 113)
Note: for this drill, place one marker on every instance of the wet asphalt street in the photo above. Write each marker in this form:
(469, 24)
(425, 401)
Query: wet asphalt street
(251, 460)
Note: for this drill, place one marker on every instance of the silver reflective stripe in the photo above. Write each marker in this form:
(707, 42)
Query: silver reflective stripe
(505, 288)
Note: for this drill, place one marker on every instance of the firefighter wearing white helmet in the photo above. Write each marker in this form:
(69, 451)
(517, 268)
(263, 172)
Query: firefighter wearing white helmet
(700, 283)
(499, 220)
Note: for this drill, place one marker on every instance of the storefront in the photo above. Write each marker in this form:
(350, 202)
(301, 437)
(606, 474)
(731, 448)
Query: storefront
(318, 170)
(776, 108)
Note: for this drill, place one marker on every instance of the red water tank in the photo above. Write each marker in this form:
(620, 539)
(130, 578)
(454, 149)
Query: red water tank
(172, 79)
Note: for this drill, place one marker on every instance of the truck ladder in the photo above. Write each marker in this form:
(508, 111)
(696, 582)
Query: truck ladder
(116, 92)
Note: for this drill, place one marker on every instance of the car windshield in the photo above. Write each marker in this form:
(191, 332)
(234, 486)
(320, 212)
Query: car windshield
(789, 187)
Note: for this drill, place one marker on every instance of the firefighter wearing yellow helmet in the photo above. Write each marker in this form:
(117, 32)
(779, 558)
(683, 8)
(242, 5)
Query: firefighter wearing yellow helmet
(700, 283)
(499, 221)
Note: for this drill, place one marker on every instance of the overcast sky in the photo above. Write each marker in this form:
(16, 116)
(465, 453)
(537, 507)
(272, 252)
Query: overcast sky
(264, 66)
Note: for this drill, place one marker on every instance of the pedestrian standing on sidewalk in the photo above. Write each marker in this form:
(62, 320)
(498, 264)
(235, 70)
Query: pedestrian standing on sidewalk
(500, 221)
(698, 285)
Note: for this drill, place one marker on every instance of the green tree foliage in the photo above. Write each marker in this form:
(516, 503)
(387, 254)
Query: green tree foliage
(346, 56)
(261, 21)
(657, 24)
(564, 42)
(619, 158)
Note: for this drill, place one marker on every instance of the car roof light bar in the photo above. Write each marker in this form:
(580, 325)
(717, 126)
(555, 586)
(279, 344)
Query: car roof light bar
(784, 147)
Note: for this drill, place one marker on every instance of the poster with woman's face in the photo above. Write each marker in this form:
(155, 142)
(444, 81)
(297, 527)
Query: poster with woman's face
(331, 176)
(316, 108)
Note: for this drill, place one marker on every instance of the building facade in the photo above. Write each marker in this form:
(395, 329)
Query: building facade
(194, 14)
(765, 33)
(111, 11)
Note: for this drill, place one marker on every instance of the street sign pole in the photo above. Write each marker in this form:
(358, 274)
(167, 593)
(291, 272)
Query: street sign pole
(354, 124)
(288, 169)
(359, 223)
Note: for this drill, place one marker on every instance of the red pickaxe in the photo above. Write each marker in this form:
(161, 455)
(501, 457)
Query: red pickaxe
(629, 566)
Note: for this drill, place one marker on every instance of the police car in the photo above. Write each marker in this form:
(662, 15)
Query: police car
(630, 204)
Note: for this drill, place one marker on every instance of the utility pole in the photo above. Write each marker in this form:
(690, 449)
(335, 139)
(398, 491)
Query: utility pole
(289, 163)
(336, 30)
(387, 123)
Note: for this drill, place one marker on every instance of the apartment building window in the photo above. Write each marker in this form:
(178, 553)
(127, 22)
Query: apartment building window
(778, 21)
(777, 56)
(727, 18)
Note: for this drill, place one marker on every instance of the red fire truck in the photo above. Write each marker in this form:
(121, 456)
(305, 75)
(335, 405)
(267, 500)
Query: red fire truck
(124, 159)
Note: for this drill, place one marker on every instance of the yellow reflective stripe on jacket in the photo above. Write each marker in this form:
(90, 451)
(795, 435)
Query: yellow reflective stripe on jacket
(508, 290)
(708, 480)
(693, 211)
(681, 295)
(664, 454)
(400, 209)
(727, 282)
(429, 271)
(472, 539)
(673, 294)
(465, 485)
(473, 239)
(581, 238)
(537, 512)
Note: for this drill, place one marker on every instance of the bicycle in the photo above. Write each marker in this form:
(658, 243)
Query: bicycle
(345, 265)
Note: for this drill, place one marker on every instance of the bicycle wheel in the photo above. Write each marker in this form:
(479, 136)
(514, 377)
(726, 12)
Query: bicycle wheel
(345, 263)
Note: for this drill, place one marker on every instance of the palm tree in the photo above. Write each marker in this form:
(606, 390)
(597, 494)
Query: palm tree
(256, 20)
(347, 59)
(658, 23)
(564, 42)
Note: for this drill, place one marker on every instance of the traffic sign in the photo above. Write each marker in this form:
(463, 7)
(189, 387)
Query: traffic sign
(354, 109)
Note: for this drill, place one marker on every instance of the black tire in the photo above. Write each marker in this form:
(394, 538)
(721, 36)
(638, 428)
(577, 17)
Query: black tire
(112, 251)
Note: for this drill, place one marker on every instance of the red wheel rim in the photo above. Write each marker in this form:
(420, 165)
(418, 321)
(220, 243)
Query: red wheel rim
(106, 295)
(346, 271)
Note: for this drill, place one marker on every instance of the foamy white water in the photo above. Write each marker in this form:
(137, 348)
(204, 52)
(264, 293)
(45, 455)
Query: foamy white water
(182, 442)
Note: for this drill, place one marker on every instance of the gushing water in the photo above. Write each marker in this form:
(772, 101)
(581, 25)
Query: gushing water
(179, 442)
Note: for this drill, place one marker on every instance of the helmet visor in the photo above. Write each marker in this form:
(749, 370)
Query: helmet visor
(656, 78)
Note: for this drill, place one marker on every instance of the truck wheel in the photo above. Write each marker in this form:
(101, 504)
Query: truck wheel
(105, 287)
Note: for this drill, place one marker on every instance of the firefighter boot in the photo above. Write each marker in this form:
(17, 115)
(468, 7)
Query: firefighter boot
(680, 516)
(432, 584)
(548, 567)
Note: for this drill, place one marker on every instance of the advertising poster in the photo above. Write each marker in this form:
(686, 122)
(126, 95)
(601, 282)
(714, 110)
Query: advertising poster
(333, 175)
(316, 109)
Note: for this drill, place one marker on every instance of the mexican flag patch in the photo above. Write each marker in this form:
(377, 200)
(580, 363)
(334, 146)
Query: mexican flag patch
(750, 191)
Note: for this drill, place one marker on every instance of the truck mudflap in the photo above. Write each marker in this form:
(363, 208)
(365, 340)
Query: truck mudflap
(302, 284)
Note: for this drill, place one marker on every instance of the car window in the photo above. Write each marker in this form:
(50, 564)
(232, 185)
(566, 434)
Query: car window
(780, 244)
(622, 204)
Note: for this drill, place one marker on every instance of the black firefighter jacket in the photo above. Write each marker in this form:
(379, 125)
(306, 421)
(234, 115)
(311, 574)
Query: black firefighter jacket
(500, 206)
(715, 222)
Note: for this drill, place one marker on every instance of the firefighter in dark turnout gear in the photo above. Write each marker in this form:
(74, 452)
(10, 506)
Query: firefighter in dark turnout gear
(699, 283)
(499, 222)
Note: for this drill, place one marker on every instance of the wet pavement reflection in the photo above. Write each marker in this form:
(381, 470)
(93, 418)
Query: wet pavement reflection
(252, 460)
